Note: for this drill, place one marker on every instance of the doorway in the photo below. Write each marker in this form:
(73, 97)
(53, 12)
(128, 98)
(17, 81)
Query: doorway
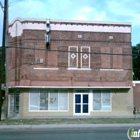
(14, 103)
(81, 102)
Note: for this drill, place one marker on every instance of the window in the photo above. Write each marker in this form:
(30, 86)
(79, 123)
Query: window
(39, 60)
(101, 100)
(34, 99)
(85, 57)
(73, 57)
(45, 99)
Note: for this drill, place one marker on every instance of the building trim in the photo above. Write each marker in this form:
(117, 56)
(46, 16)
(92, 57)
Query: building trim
(18, 25)
(91, 28)
(56, 21)
(45, 68)
(78, 69)
(79, 87)
(112, 69)
(136, 82)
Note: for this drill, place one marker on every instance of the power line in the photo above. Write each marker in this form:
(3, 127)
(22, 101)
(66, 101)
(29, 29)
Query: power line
(64, 51)
(49, 50)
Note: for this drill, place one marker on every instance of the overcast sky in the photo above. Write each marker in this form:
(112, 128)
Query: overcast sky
(90, 10)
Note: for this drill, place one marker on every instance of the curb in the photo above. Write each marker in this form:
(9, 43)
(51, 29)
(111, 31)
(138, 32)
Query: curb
(53, 126)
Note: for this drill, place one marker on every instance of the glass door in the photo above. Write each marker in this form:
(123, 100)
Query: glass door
(14, 103)
(81, 103)
(85, 103)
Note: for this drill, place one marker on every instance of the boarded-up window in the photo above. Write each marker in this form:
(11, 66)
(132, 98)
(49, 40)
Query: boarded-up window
(73, 57)
(85, 57)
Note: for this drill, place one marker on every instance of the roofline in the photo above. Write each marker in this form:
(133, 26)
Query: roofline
(70, 21)
(92, 22)
(81, 87)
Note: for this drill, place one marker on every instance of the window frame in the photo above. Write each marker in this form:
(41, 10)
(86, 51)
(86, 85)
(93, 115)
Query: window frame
(48, 103)
(69, 57)
(81, 92)
(82, 57)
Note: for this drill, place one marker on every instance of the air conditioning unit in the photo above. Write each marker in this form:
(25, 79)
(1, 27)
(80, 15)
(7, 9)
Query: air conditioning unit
(39, 60)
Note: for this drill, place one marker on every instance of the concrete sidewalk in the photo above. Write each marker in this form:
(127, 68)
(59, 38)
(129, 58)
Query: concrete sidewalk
(53, 126)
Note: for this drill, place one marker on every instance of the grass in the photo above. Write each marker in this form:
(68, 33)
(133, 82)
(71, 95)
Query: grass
(69, 121)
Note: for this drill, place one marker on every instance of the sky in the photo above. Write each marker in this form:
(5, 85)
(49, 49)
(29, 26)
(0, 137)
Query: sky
(87, 10)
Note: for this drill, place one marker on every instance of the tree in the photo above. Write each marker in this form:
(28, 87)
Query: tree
(136, 61)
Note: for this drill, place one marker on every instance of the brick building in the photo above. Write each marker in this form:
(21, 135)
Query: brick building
(69, 68)
(136, 90)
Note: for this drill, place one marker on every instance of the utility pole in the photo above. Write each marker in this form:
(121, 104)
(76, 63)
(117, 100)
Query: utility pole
(4, 45)
(1, 71)
(1, 92)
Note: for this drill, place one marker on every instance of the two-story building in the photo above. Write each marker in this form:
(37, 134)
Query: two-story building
(69, 68)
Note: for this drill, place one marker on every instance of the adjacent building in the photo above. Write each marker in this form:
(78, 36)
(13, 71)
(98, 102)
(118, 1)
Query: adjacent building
(69, 68)
(136, 90)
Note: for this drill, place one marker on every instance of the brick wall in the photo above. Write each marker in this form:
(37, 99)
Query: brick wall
(136, 88)
(28, 48)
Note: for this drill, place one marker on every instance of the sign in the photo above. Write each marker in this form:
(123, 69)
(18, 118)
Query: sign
(133, 134)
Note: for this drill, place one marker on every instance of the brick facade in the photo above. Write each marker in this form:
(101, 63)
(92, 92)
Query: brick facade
(90, 61)
(28, 48)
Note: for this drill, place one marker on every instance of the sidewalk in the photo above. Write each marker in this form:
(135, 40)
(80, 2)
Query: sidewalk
(56, 126)
(29, 123)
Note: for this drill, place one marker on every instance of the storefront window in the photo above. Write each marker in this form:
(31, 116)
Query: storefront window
(34, 99)
(101, 100)
(45, 99)
(53, 104)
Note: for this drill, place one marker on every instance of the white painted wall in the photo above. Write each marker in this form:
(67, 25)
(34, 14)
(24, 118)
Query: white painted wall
(16, 28)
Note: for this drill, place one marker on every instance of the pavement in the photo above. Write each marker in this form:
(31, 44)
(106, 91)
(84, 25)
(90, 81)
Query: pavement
(58, 126)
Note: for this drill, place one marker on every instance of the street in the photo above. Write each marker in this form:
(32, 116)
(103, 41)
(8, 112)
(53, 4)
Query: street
(66, 134)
